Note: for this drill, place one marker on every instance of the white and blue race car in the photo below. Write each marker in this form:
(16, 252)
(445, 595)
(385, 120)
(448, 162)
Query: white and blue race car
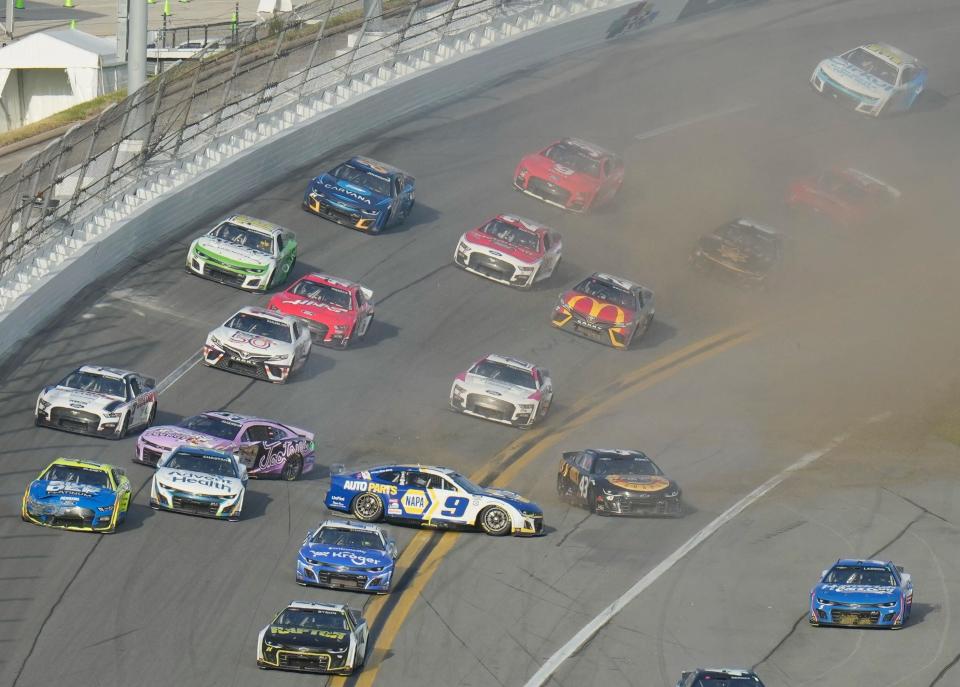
(340, 554)
(875, 79)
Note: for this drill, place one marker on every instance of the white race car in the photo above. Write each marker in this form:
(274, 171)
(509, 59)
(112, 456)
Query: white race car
(259, 343)
(503, 389)
(510, 250)
(199, 481)
(102, 401)
(875, 79)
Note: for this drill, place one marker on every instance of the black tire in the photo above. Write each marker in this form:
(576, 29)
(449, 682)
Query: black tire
(562, 488)
(367, 330)
(292, 469)
(495, 521)
(153, 415)
(591, 500)
(367, 507)
(124, 428)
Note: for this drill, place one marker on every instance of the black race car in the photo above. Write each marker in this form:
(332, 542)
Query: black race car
(617, 482)
(719, 677)
(744, 250)
(312, 637)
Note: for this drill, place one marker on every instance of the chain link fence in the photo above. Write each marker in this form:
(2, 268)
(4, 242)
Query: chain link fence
(183, 110)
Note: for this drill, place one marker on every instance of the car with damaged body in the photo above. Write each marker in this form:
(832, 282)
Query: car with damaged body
(742, 250)
(79, 495)
(862, 593)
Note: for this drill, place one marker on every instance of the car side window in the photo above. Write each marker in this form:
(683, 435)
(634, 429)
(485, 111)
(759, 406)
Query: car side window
(279, 243)
(296, 331)
(391, 476)
(135, 386)
(116, 477)
(419, 479)
(546, 242)
(397, 185)
(607, 168)
(639, 297)
(360, 300)
(585, 462)
(257, 433)
(445, 484)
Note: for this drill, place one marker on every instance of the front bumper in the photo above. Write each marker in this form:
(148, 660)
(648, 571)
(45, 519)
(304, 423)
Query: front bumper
(614, 336)
(492, 408)
(148, 453)
(78, 421)
(494, 269)
(532, 526)
(552, 193)
(863, 104)
(638, 504)
(705, 261)
(189, 503)
(862, 615)
(222, 273)
(281, 658)
(354, 219)
(258, 368)
(73, 518)
(319, 575)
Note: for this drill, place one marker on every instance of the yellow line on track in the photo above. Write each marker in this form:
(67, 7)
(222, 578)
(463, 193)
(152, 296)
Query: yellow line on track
(504, 471)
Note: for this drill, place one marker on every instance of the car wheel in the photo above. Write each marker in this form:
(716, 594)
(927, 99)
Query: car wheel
(124, 427)
(591, 500)
(366, 329)
(153, 414)
(292, 469)
(495, 521)
(562, 488)
(368, 508)
(544, 409)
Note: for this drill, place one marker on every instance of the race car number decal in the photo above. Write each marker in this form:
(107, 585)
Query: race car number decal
(454, 506)
(584, 485)
(251, 339)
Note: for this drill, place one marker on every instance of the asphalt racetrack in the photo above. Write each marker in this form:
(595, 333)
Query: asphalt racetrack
(843, 359)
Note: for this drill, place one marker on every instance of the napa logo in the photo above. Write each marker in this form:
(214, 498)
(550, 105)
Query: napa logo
(415, 502)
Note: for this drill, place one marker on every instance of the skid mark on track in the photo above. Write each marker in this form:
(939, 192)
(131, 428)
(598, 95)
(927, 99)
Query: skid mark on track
(464, 644)
(573, 529)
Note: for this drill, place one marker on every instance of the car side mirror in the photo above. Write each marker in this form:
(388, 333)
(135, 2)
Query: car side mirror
(123, 473)
(408, 188)
(900, 568)
(823, 573)
(392, 549)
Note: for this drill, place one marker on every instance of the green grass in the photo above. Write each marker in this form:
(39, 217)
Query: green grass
(77, 113)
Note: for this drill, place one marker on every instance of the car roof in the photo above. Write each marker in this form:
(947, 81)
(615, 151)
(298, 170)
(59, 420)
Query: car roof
(81, 463)
(202, 451)
(586, 146)
(266, 314)
(747, 222)
(617, 451)
(375, 165)
(342, 524)
(736, 672)
(854, 562)
(320, 277)
(891, 54)
(316, 606)
(235, 417)
(512, 362)
(412, 466)
(616, 281)
(105, 371)
(254, 223)
(523, 222)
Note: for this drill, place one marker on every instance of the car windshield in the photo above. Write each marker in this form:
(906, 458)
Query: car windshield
(322, 293)
(872, 64)
(308, 620)
(348, 539)
(855, 574)
(96, 384)
(512, 234)
(506, 374)
(214, 426)
(363, 178)
(714, 679)
(746, 236)
(465, 483)
(606, 292)
(615, 464)
(73, 474)
(251, 324)
(220, 466)
(574, 157)
(244, 237)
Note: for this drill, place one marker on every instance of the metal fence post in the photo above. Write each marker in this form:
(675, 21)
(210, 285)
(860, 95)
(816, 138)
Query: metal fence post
(147, 152)
(186, 109)
(356, 48)
(108, 179)
(226, 91)
(75, 198)
(453, 8)
(266, 82)
(54, 180)
(315, 49)
(406, 26)
(26, 210)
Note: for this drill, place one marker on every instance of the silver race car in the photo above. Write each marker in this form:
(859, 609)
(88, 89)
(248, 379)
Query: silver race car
(259, 343)
(503, 389)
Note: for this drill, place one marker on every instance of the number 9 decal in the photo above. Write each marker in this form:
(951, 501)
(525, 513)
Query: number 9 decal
(454, 506)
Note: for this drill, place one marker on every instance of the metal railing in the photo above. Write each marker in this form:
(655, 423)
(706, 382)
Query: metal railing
(183, 110)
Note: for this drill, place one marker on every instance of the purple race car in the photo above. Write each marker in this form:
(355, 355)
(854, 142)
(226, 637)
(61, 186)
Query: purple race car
(265, 447)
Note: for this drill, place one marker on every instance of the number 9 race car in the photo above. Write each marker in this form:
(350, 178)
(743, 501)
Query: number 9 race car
(433, 497)
(77, 495)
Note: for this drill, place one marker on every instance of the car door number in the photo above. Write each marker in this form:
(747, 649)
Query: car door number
(584, 486)
(454, 506)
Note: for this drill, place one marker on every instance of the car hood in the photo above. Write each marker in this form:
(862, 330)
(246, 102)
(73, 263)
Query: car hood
(593, 310)
(56, 493)
(515, 500)
(63, 396)
(739, 256)
(855, 79)
(171, 436)
(545, 168)
(348, 195)
(298, 306)
(230, 253)
(308, 639)
(346, 557)
(857, 593)
(637, 483)
(198, 482)
(251, 344)
(510, 392)
(496, 248)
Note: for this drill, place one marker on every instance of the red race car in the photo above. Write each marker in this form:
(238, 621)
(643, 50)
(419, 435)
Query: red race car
(338, 312)
(610, 310)
(510, 250)
(845, 196)
(571, 174)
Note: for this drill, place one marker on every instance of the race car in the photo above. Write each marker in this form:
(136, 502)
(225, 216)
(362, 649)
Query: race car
(266, 448)
(312, 637)
(336, 311)
(433, 497)
(503, 389)
(863, 593)
(245, 252)
(617, 482)
(362, 194)
(743, 250)
(510, 250)
(844, 196)
(874, 79)
(102, 401)
(199, 481)
(258, 343)
(571, 174)
(719, 677)
(340, 554)
(611, 310)
(77, 495)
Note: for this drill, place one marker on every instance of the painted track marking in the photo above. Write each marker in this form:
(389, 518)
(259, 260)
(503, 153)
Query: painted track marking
(667, 128)
(181, 369)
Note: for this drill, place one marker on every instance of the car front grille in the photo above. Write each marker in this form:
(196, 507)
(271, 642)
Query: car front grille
(195, 506)
(292, 661)
(490, 407)
(336, 214)
(341, 580)
(71, 520)
(548, 191)
(491, 266)
(74, 420)
(846, 617)
(150, 454)
(223, 276)
(252, 366)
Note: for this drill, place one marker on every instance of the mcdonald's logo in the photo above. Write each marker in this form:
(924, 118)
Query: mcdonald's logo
(606, 312)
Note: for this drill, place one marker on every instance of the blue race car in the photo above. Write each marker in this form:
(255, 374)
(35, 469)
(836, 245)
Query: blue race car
(77, 495)
(362, 194)
(433, 497)
(347, 555)
(862, 593)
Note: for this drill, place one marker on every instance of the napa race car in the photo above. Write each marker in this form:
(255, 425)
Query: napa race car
(266, 448)
(432, 497)
(102, 401)
(199, 481)
(312, 637)
(245, 252)
(258, 343)
(341, 554)
(719, 677)
(617, 482)
(571, 174)
(743, 250)
(510, 250)
(337, 312)
(77, 495)
(862, 593)
(362, 194)
(844, 196)
(874, 79)
(610, 310)
(503, 389)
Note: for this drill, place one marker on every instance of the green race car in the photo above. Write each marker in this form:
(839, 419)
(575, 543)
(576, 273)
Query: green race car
(244, 252)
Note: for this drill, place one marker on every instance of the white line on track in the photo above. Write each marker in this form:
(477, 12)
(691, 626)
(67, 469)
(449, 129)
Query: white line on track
(182, 369)
(652, 133)
(584, 635)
